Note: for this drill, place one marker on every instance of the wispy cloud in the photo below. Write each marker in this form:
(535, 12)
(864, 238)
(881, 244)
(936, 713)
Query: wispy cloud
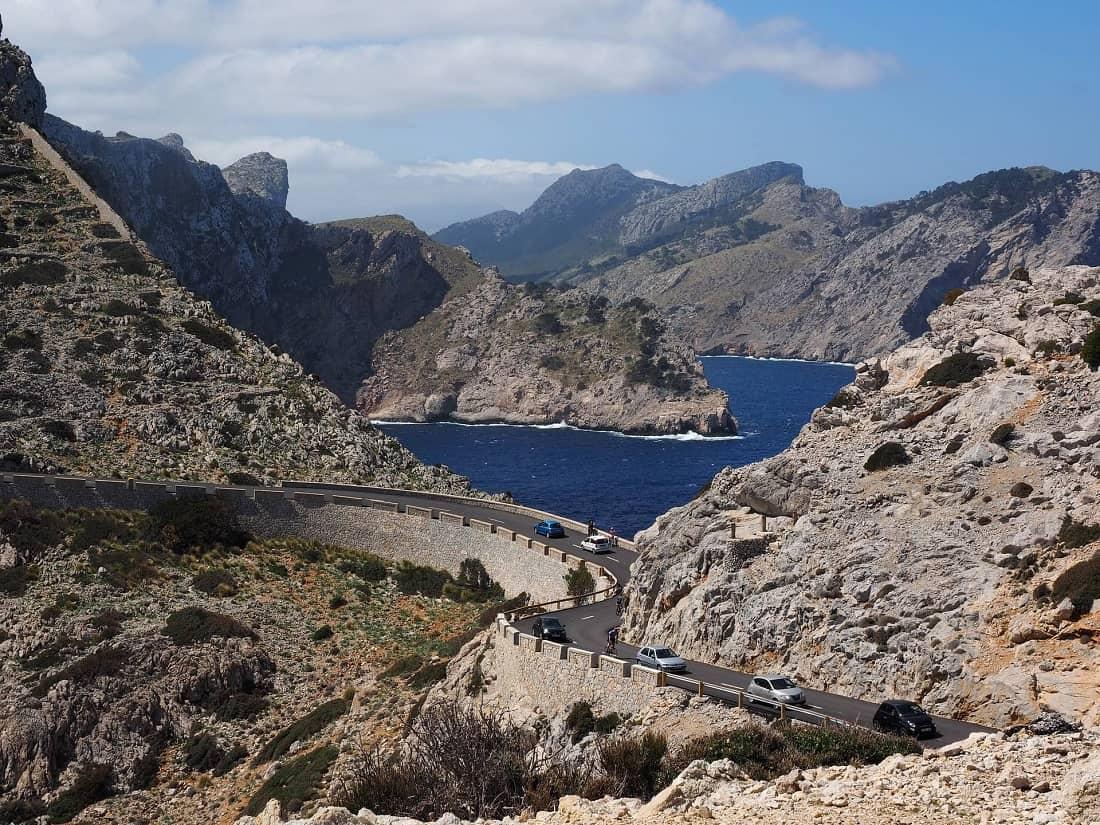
(500, 169)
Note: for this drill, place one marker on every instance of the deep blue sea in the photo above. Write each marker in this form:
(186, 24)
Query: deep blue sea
(625, 482)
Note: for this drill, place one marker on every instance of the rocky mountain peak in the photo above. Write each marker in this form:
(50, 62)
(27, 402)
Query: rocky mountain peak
(22, 97)
(591, 189)
(260, 174)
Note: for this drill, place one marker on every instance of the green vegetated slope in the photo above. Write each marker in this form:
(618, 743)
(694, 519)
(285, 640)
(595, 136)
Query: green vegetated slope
(219, 656)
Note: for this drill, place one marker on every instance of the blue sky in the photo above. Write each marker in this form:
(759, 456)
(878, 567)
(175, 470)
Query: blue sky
(443, 111)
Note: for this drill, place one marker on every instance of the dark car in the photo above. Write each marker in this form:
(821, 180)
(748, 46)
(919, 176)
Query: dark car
(904, 717)
(547, 627)
(550, 529)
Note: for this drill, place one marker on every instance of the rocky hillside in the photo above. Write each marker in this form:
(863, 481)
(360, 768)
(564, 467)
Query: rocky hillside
(757, 262)
(1018, 780)
(163, 667)
(322, 293)
(109, 367)
(574, 219)
(934, 531)
(535, 356)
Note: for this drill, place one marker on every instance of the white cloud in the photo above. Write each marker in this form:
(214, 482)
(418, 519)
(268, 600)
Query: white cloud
(305, 153)
(649, 174)
(102, 70)
(503, 170)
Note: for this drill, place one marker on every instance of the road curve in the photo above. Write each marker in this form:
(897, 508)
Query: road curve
(588, 624)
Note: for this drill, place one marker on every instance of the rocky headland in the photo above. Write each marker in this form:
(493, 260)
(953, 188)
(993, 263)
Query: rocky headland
(502, 353)
(756, 262)
(932, 533)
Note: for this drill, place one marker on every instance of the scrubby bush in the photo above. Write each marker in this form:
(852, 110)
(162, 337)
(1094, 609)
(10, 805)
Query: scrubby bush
(322, 633)
(551, 362)
(420, 579)
(1010, 362)
(1091, 307)
(633, 765)
(92, 784)
(23, 339)
(579, 581)
(890, 454)
(193, 625)
(21, 810)
(39, 273)
(1069, 298)
(337, 601)
(240, 706)
(30, 530)
(94, 527)
(953, 295)
(295, 782)
(103, 230)
(548, 323)
(211, 336)
(202, 752)
(215, 583)
(196, 523)
(1020, 273)
(956, 369)
(15, 580)
(581, 721)
(367, 566)
(845, 399)
(108, 622)
(107, 661)
(59, 429)
(1090, 352)
(119, 309)
(246, 479)
(128, 258)
(474, 584)
(312, 723)
(1048, 347)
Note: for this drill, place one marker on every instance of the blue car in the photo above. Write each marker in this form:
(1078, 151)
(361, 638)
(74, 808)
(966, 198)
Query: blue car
(550, 529)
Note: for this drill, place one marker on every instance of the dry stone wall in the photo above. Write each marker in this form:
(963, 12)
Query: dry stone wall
(421, 534)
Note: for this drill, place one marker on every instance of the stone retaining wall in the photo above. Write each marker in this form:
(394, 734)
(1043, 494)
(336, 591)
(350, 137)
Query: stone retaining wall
(423, 536)
(551, 677)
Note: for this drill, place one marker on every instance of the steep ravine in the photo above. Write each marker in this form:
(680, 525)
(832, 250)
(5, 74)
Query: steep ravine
(959, 567)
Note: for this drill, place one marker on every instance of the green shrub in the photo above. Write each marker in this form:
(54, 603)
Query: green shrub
(890, 454)
(39, 273)
(1090, 352)
(108, 622)
(193, 625)
(103, 230)
(1077, 534)
(246, 479)
(954, 370)
(45, 219)
(337, 601)
(420, 579)
(94, 527)
(953, 295)
(548, 323)
(367, 566)
(195, 524)
(760, 752)
(240, 706)
(1048, 347)
(211, 336)
(215, 583)
(1091, 307)
(431, 673)
(21, 810)
(202, 752)
(295, 782)
(23, 339)
(119, 309)
(579, 581)
(1001, 434)
(232, 757)
(845, 399)
(634, 764)
(551, 362)
(321, 633)
(581, 721)
(1020, 273)
(816, 746)
(1010, 362)
(128, 258)
(30, 530)
(92, 784)
(312, 723)
(403, 666)
(59, 429)
(15, 580)
(473, 584)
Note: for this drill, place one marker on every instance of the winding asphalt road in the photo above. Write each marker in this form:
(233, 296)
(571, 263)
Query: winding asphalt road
(587, 625)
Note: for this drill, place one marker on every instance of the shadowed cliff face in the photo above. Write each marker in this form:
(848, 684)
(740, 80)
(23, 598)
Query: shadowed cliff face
(322, 293)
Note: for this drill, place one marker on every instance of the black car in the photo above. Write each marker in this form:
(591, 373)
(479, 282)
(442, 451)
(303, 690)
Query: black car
(547, 627)
(904, 717)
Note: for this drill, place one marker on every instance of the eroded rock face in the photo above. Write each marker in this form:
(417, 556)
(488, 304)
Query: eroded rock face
(944, 579)
(22, 98)
(500, 353)
(260, 175)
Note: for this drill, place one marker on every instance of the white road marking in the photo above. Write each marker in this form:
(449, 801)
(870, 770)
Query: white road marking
(586, 618)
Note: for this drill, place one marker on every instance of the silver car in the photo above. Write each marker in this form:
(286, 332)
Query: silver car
(776, 690)
(661, 658)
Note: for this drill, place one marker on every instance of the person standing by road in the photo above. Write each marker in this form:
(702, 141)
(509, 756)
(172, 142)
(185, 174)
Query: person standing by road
(591, 527)
(614, 537)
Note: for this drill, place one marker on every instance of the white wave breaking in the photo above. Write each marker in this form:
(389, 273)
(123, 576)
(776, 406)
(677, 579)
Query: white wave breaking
(852, 364)
(561, 425)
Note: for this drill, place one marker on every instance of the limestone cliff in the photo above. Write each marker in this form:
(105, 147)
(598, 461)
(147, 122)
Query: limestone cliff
(759, 263)
(537, 356)
(933, 531)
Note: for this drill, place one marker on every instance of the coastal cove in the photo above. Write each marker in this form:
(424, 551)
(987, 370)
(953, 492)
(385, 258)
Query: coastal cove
(621, 481)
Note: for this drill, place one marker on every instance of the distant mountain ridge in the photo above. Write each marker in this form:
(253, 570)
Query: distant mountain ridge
(757, 262)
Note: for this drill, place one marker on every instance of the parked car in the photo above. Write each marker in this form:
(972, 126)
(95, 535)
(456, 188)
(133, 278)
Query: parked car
(547, 627)
(550, 529)
(662, 658)
(597, 544)
(776, 690)
(904, 717)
